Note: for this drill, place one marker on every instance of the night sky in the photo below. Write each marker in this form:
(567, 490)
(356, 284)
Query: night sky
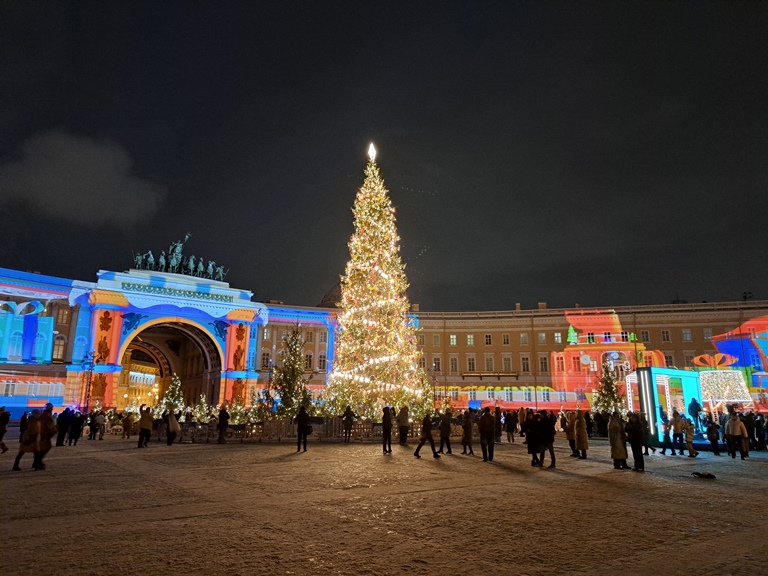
(600, 153)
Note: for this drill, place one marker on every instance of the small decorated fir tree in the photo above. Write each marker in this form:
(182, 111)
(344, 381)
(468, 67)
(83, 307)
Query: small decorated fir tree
(607, 395)
(202, 410)
(289, 384)
(173, 399)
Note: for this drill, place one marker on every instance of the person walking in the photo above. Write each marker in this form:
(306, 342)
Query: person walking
(548, 432)
(145, 425)
(582, 438)
(426, 436)
(5, 417)
(76, 424)
(736, 434)
(534, 437)
(62, 423)
(466, 437)
(445, 431)
(666, 442)
(713, 435)
(689, 431)
(487, 429)
(618, 440)
(510, 423)
(127, 423)
(568, 424)
(676, 422)
(637, 438)
(302, 429)
(386, 430)
(29, 439)
(47, 431)
(223, 424)
(348, 419)
(403, 424)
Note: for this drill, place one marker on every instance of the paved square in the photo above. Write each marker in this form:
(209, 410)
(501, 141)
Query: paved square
(260, 508)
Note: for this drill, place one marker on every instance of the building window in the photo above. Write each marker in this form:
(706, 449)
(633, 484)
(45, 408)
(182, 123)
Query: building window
(489, 363)
(422, 363)
(558, 337)
(308, 361)
(508, 395)
(707, 333)
(559, 364)
(688, 358)
(543, 364)
(648, 360)
(454, 363)
(436, 364)
(470, 339)
(625, 336)
(488, 340)
(590, 337)
(435, 339)
(472, 394)
(506, 362)
(562, 396)
(576, 362)
(505, 339)
(524, 339)
(470, 364)
(14, 350)
(62, 316)
(686, 334)
(267, 334)
(525, 363)
(452, 339)
(40, 341)
(310, 337)
(321, 362)
(545, 395)
(265, 359)
(607, 337)
(665, 336)
(669, 360)
(455, 394)
(421, 340)
(542, 337)
(59, 345)
(645, 336)
(491, 394)
(528, 396)
(323, 337)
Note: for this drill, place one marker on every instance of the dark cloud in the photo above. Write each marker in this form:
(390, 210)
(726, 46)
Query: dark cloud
(79, 179)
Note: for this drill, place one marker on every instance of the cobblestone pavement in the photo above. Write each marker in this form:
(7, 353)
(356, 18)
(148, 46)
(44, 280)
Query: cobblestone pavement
(107, 507)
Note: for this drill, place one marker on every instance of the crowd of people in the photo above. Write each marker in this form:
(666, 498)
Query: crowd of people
(740, 432)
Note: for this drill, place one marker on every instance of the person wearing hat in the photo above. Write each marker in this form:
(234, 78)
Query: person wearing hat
(5, 417)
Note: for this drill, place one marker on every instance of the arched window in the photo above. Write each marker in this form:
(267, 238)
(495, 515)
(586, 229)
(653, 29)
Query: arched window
(14, 348)
(40, 341)
(78, 353)
(59, 347)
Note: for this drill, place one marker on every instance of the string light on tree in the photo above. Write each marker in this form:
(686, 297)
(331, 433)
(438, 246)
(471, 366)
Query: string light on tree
(376, 357)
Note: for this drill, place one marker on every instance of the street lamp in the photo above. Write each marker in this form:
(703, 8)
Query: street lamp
(89, 362)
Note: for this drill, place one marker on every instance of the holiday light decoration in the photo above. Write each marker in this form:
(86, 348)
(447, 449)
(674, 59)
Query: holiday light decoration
(724, 386)
(376, 357)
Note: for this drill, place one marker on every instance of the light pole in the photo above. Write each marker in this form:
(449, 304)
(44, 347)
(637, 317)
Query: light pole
(89, 362)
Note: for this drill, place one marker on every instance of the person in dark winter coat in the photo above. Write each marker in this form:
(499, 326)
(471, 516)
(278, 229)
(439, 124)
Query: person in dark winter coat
(510, 425)
(426, 436)
(223, 425)
(348, 419)
(547, 423)
(5, 417)
(445, 431)
(386, 430)
(582, 435)
(618, 440)
(532, 430)
(713, 435)
(403, 424)
(29, 440)
(487, 428)
(23, 422)
(466, 437)
(62, 423)
(302, 428)
(76, 424)
(637, 437)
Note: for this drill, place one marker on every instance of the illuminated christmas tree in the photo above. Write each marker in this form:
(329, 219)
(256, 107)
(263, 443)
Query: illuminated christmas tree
(289, 384)
(607, 395)
(376, 356)
(173, 399)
